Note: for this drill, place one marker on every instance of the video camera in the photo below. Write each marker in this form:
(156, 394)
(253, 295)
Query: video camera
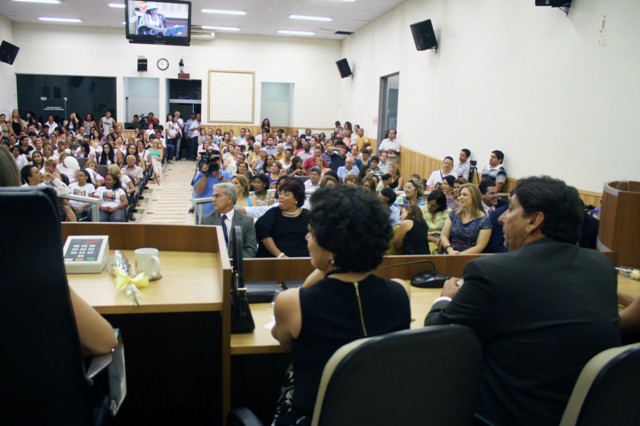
(210, 157)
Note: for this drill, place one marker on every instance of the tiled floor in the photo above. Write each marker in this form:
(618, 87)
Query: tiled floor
(169, 201)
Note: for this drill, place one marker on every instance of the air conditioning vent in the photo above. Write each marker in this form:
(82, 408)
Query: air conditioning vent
(200, 34)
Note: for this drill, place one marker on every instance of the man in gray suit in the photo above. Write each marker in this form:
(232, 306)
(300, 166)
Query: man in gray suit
(541, 311)
(224, 200)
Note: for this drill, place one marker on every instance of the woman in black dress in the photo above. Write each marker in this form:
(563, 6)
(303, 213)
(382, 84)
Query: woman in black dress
(281, 231)
(341, 300)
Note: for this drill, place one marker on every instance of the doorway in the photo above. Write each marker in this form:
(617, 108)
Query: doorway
(276, 104)
(142, 95)
(388, 109)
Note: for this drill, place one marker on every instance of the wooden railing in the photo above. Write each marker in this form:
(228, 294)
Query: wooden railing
(416, 162)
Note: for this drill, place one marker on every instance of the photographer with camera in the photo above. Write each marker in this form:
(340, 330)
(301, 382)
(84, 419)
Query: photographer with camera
(209, 173)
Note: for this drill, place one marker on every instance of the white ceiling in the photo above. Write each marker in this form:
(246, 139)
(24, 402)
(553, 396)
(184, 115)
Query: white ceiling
(264, 17)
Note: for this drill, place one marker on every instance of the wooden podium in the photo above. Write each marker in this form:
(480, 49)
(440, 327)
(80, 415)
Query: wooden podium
(619, 225)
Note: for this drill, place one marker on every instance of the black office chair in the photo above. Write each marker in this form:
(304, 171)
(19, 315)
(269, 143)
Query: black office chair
(42, 378)
(426, 376)
(606, 392)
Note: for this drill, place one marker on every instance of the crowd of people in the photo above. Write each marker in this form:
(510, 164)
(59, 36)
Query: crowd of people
(541, 311)
(85, 157)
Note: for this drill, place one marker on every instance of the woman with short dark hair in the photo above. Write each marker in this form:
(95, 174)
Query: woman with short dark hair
(447, 187)
(342, 300)
(435, 214)
(281, 231)
(260, 195)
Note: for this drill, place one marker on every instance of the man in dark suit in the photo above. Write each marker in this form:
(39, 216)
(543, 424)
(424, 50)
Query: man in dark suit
(541, 311)
(496, 240)
(224, 200)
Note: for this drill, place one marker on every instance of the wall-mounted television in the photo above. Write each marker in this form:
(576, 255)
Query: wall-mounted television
(158, 22)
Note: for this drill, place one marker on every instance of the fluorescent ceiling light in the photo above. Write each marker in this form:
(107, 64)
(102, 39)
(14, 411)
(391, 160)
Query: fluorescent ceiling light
(39, 1)
(215, 27)
(310, 18)
(224, 12)
(306, 33)
(47, 19)
(117, 5)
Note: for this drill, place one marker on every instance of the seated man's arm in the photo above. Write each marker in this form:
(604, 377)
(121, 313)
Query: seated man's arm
(630, 320)
(473, 304)
(501, 179)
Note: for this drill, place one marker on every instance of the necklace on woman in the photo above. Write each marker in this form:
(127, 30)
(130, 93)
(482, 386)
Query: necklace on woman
(292, 214)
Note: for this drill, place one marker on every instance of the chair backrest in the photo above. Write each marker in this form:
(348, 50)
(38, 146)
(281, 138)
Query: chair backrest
(427, 376)
(103, 170)
(81, 162)
(607, 390)
(42, 373)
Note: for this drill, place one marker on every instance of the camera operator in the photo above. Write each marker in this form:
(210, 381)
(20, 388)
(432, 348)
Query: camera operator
(209, 173)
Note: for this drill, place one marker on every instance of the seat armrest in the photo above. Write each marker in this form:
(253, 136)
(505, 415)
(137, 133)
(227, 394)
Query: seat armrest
(242, 417)
(98, 363)
(116, 371)
(117, 377)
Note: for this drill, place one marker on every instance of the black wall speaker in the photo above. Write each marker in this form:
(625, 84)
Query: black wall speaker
(424, 36)
(554, 3)
(344, 68)
(142, 64)
(8, 52)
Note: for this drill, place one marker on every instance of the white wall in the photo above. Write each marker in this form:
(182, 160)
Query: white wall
(8, 86)
(558, 95)
(307, 63)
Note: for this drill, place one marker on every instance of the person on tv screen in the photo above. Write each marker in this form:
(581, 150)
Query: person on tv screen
(152, 22)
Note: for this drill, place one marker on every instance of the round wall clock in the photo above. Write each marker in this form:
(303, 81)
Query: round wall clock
(163, 64)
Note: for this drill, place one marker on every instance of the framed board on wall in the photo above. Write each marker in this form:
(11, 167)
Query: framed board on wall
(231, 96)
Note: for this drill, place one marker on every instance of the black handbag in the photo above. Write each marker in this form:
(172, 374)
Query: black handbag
(429, 279)
(241, 318)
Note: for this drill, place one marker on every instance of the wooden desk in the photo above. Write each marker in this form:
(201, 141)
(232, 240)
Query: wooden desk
(189, 284)
(177, 341)
(261, 341)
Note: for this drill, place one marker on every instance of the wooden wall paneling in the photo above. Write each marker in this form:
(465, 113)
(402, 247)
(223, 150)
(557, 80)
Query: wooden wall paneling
(416, 162)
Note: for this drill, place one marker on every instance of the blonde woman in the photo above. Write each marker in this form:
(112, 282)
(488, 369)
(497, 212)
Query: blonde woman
(156, 153)
(92, 168)
(467, 230)
(242, 188)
